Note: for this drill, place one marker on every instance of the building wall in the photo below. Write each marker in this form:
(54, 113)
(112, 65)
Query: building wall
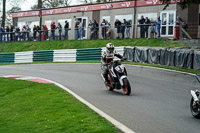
(187, 15)
(112, 13)
(151, 10)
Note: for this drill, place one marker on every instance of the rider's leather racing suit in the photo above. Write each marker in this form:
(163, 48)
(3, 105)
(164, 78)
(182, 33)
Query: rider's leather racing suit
(107, 57)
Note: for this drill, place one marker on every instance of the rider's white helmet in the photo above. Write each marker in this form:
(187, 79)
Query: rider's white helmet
(110, 47)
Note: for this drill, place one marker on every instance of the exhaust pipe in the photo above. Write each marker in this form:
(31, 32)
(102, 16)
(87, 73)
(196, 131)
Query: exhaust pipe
(194, 96)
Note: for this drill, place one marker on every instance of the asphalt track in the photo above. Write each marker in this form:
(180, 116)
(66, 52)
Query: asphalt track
(159, 102)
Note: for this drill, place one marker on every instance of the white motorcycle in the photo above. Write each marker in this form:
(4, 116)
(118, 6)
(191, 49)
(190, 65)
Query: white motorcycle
(117, 77)
(195, 101)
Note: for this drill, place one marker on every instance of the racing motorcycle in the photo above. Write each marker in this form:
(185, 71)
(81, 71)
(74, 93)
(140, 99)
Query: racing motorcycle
(117, 76)
(195, 101)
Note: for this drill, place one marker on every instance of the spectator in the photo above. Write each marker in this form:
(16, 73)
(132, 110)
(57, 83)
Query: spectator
(141, 25)
(146, 26)
(118, 26)
(76, 30)
(123, 27)
(152, 31)
(158, 26)
(107, 25)
(66, 30)
(92, 30)
(128, 26)
(7, 33)
(28, 30)
(80, 31)
(34, 32)
(3, 34)
(18, 34)
(53, 28)
(46, 36)
(39, 31)
(179, 20)
(96, 25)
(103, 28)
(59, 30)
(11, 33)
(24, 33)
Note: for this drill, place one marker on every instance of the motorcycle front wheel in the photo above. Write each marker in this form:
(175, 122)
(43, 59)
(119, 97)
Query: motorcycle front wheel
(126, 87)
(195, 110)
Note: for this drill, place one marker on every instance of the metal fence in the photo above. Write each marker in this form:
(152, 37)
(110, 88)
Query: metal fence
(105, 32)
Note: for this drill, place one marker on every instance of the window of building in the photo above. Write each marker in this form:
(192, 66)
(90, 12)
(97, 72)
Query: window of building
(106, 18)
(152, 16)
(21, 24)
(48, 24)
(62, 22)
(127, 17)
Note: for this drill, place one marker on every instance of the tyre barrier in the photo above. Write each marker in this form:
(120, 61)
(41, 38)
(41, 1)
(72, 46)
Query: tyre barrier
(178, 57)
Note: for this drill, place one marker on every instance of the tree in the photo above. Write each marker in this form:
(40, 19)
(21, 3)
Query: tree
(182, 3)
(14, 3)
(4, 14)
(55, 3)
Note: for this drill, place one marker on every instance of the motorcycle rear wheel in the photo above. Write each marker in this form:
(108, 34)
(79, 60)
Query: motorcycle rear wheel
(126, 88)
(107, 86)
(194, 109)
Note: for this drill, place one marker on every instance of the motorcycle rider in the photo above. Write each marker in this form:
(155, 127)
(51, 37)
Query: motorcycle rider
(107, 57)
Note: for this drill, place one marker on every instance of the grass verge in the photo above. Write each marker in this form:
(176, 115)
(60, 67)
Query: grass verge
(34, 107)
(80, 44)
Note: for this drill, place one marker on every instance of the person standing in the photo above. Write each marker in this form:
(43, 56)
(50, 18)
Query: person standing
(128, 26)
(123, 27)
(24, 33)
(146, 26)
(53, 28)
(103, 28)
(152, 31)
(141, 25)
(39, 31)
(34, 32)
(158, 26)
(66, 30)
(28, 30)
(11, 33)
(7, 33)
(59, 27)
(118, 26)
(96, 25)
(80, 30)
(46, 36)
(76, 30)
(107, 29)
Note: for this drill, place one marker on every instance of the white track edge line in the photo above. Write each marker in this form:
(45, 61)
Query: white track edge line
(116, 123)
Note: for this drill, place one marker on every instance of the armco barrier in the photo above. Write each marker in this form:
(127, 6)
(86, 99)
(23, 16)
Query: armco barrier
(43, 56)
(93, 54)
(68, 55)
(24, 57)
(7, 58)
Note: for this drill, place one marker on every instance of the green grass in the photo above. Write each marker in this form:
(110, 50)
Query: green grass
(77, 44)
(29, 107)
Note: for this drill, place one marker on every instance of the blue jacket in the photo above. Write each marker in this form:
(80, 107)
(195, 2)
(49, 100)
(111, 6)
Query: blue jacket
(158, 24)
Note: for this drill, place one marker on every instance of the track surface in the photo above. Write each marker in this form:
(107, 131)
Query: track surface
(159, 102)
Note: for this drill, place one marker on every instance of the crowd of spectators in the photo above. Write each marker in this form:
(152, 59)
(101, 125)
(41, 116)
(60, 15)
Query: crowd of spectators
(123, 27)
